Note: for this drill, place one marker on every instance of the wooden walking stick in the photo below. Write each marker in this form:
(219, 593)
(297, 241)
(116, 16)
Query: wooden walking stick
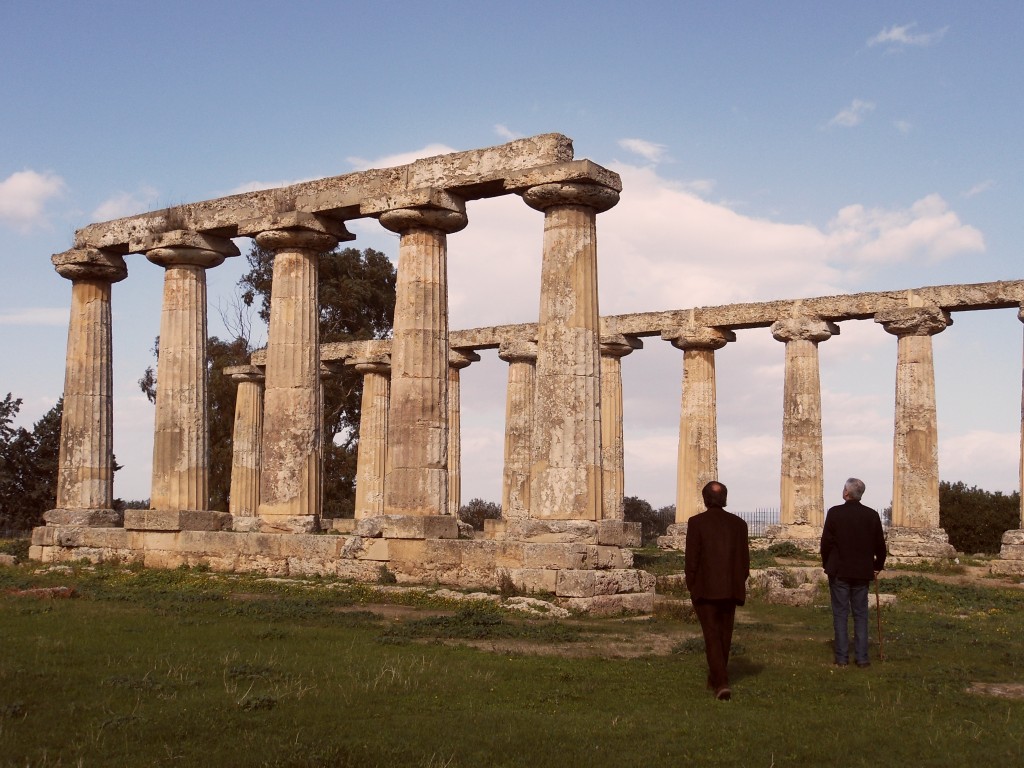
(878, 614)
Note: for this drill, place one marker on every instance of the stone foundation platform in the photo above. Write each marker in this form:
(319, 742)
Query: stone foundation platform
(918, 545)
(1011, 555)
(583, 575)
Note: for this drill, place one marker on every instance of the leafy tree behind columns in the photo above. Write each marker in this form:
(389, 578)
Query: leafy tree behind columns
(357, 302)
(975, 519)
(28, 466)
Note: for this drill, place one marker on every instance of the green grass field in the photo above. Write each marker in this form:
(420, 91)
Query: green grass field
(186, 668)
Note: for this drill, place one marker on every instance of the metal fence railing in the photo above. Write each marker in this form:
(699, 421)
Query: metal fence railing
(759, 520)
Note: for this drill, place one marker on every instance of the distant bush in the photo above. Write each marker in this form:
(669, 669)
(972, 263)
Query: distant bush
(975, 519)
(478, 510)
(653, 523)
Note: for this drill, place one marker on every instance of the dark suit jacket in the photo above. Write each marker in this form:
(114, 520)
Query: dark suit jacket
(852, 542)
(717, 556)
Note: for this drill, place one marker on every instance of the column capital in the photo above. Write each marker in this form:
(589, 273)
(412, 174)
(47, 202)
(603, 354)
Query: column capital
(619, 345)
(403, 220)
(518, 350)
(365, 365)
(595, 196)
(461, 358)
(240, 373)
(184, 248)
(698, 337)
(914, 321)
(806, 328)
(90, 264)
(296, 229)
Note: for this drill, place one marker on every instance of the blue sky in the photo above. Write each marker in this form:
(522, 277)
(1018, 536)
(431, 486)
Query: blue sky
(768, 150)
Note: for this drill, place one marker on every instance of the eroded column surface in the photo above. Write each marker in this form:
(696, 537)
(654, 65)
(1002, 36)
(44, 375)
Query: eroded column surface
(613, 482)
(417, 471)
(565, 477)
(802, 480)
(373, 434)
(457, 360)
(181, 433)
(697, 463)
(521, 357)
(85, 479)
(1011, 551)
(915, 530)
(246, 440)
(292, 437)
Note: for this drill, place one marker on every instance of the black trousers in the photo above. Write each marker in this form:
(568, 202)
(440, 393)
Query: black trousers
(716, 620)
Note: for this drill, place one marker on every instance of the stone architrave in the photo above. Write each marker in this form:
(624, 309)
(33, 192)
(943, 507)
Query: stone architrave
(371, 459)
(802, 494)
(85, 476)
(521, 356)
(181, 433)
(565, 478)
(416, 483)
(697, 463)
(292, 425)
(457, 360)
(613, 482)
(915, 531)
(246, 441)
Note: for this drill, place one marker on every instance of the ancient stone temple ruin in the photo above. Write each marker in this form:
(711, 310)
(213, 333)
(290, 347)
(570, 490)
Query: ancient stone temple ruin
(562, 530)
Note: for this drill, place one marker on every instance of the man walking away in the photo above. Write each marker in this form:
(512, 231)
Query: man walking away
(717, 567)
(852, 554)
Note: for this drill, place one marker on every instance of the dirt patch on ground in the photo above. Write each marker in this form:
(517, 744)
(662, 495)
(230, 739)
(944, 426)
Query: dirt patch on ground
(999, 690)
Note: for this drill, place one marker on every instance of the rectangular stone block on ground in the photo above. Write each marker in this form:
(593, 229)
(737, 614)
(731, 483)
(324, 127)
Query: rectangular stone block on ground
(533, 580)
(610, 605)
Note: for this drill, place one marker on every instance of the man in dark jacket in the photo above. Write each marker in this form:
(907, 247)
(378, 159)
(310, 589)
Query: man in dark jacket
(717, 567)
(852, 553)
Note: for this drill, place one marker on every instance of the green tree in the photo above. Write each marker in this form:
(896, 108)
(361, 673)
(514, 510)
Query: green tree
(478, 510)
(28, 466)
(652, 523)
(975, 519)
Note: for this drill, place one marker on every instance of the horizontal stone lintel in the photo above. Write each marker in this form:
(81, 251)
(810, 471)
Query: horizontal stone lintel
(470, 175)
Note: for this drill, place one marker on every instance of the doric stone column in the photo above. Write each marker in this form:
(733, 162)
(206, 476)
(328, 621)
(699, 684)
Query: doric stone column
(181, 433)
(697, 463)
(292, 422)
(373, 434)
(802, 488)
(246, 441)
(521, 356)
(1011, 552)
(613, 482)
(85, 479)
(915, 530)
(565, 478)
(417, 472)
(457, 360)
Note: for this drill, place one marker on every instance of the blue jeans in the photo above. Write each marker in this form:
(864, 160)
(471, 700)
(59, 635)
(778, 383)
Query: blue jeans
(849, 595)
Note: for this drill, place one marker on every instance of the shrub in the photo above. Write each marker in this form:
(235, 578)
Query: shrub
(478, 510)
(975, 519)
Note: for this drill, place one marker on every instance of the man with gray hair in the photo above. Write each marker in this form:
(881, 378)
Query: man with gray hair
(852, 553)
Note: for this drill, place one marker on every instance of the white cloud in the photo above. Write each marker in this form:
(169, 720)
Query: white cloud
(23, 198)
(646, 149)
(903, 126)
(35, 316)
(896, 37)
(980, 187)
(126, 204)
(404, 158)
(853, 115)
(928, 229)
(505, 133)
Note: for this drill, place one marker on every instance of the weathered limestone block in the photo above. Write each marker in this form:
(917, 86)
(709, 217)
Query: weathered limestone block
(675, 536)
(408, 527)
(552, 531)
(602, 557)
(618, 533)
(611, 605)
(176, 520)
(358, 548)
(556, 556)
(509, 554)
(8, 560)
(1013, 537)
(918, 543)
(533, 580)
(495, 529)
(1012, 552)
(412, 555)
(97, 518)
(578, 583)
